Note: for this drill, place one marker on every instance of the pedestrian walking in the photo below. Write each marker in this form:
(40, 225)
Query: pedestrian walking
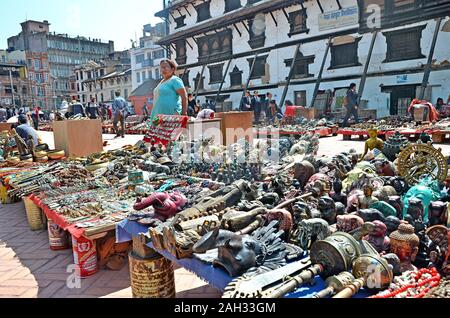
(351, 105)
(119, 110)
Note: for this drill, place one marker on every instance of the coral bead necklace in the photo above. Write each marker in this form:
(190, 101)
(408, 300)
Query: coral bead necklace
(412, 284)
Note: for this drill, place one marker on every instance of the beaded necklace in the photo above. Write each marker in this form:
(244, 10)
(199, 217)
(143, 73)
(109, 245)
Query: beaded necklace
(412, 284)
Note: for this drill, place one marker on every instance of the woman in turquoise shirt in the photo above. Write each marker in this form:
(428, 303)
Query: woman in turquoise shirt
(170, 96)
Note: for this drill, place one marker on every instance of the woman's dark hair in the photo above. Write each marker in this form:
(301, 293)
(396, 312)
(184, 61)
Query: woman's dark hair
(352, 85)
(172, 64)
(289, 103)
(440, 100)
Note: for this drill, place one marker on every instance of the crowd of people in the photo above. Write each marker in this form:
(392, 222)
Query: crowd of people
(264, 107)
(172, 98)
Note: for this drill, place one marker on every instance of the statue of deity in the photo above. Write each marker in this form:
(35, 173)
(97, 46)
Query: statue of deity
(373, 142)
(366, 200)
(405, 244)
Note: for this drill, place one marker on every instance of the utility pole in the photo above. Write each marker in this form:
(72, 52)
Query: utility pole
(12, 88)
(428, 66)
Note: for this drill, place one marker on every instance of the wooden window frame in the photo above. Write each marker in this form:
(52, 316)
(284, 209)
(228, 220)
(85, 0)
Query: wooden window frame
(181, 59)
(250, 62)
(202, 6)
(234, 74)
(333, 65)
(306, 60)
(255, 41)
(222, 53)
(390, 34)
(219, 68)
(229, 7)
(293, 28)
(180, 22)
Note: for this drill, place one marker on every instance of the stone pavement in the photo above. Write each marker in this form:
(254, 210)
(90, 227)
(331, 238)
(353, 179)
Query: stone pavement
(29, 269)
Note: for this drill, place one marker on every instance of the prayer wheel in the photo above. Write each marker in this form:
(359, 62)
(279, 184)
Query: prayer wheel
(35, 216)
(152, 278)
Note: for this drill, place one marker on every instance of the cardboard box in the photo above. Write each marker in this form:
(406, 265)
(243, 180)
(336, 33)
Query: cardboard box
(236, 126)
(78, 138)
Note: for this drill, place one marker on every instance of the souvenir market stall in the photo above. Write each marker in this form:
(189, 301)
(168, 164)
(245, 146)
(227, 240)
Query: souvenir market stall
(339, 217)
(254, 220)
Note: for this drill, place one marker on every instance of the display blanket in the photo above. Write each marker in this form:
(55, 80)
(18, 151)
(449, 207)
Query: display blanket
(216, 277)
(165, 129)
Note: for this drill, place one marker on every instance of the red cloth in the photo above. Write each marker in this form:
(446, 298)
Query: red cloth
(433, 113)
(293, 111)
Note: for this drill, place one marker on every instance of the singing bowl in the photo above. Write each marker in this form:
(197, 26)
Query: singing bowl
(56, 154)
(40, 154)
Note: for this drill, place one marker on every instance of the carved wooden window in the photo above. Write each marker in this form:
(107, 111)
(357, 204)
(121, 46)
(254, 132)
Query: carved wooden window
(297, 21)
(259, 69)
(199, 82)
(301, 67)
(215, 74)
(185, 79)
(181, 52)
(257, 27)
(203, 11)
(404, 44)
(345, 55)
(231, 5)
(218, 45)
(236, 77)
(180, 21)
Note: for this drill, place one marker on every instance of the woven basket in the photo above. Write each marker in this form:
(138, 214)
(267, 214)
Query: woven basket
(36, 218)
(4, 199)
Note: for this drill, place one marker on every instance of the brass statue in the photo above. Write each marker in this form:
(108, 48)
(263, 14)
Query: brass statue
(422, 160)
(373, 142)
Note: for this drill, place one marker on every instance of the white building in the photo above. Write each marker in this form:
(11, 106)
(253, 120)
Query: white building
(100, 80)
(215, 43)
(146, 57)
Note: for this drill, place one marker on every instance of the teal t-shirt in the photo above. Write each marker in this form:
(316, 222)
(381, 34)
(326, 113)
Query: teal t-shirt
(166, 99)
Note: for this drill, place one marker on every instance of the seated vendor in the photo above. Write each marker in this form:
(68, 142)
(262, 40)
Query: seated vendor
(24, 130)
(206, 114)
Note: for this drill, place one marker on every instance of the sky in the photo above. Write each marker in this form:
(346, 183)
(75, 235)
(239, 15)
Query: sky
(119, 21)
